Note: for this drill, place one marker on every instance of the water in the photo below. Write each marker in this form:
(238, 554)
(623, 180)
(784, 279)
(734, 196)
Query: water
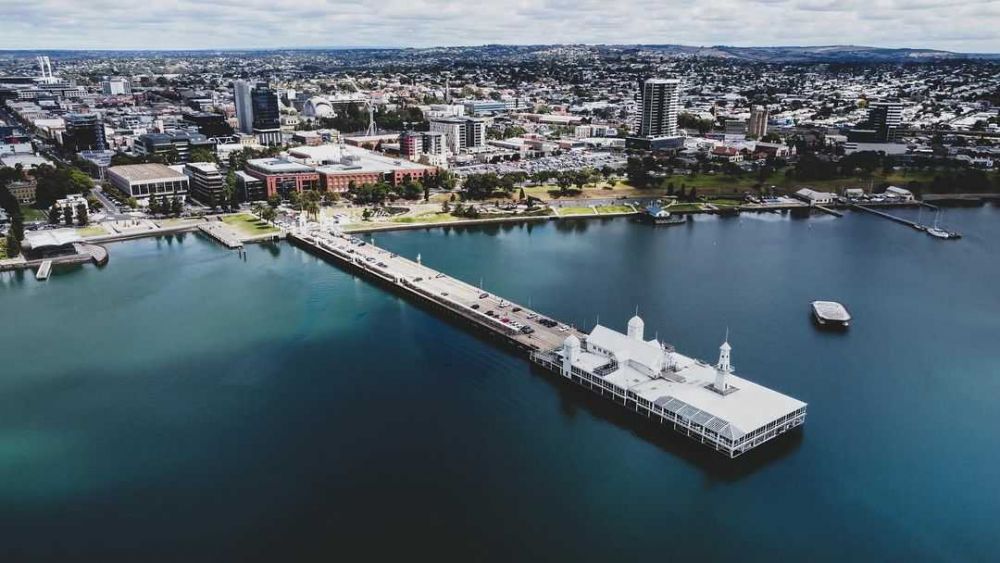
(181, 404)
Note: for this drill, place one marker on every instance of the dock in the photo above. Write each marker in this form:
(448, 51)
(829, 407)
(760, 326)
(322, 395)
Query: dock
(221, 234)
(885, 215)
(708, 404)
(44, 270)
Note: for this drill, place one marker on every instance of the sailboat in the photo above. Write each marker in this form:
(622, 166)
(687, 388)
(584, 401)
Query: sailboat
(936, 231)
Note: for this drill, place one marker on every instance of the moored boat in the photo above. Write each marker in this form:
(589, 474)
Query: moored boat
(831, 314)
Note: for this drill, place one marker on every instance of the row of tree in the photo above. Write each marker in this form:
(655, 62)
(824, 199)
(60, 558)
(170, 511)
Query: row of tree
(10, 204)
(166, 205)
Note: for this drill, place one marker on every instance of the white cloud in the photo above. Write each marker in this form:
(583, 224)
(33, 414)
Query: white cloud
(192, 24)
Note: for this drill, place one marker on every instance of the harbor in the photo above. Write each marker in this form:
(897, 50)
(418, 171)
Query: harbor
(707, 403)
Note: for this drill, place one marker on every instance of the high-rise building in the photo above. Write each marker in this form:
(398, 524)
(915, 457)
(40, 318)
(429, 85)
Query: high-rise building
(265, 110)
(116, 86)
(660, 106)
(244, 109)
(758, 122)
(461, 133)
(885, 118)
(84, 131)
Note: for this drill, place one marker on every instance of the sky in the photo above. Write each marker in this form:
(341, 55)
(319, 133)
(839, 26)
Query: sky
(957, 25)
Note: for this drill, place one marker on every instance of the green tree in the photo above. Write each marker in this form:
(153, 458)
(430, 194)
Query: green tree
(269, 214)
(13, 245)
(82, 218)
(176, 205)
(68, 215)
(202, 154)
(55, 213)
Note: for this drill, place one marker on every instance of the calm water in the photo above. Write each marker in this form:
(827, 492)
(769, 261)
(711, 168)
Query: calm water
(181, 404)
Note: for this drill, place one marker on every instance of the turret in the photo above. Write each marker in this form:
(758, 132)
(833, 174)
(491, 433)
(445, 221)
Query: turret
(635, 328)
(571, 351)
(723, 368)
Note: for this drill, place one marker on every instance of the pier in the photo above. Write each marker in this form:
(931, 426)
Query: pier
(221, 234)
(885, 215)
(709, 404)
(44, 270)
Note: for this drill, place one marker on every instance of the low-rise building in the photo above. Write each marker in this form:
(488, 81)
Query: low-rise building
(206, 182)
(281, 176)
(814, 197)
(899, 193)
(23, 190)
(143, 180)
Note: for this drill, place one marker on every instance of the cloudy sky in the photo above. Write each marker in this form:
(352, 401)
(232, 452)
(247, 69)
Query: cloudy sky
(960, 25)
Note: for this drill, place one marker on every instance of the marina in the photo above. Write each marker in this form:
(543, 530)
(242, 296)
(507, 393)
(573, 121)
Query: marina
(707, 403)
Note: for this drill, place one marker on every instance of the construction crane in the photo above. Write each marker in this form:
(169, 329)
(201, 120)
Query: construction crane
(368, 104)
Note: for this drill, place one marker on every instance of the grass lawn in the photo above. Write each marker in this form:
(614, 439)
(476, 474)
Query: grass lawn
(614, 209)
(31, 214)
(249, 225)
(684, 207)
(726, 202)
(91, 231)
(431, 217)
(568, 211)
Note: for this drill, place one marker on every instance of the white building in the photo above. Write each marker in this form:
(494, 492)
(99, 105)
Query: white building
(116, 86)
(814, 197)
(708, 403)
(899, 193)
(660, 106)
(461, 133)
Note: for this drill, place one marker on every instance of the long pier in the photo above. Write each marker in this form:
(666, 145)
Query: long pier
(708, 404)
(885, 215)
(491, 313)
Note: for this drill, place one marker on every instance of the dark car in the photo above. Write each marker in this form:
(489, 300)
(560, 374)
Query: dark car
(515, 309)
(475, 306)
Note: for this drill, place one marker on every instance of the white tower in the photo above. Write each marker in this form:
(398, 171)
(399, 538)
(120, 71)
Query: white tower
(571, 350)
(635, 328)
(724, 368)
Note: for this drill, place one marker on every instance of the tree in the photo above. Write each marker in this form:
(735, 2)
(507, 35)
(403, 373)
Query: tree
(229, 191)
(311, 207)
(268, 214)
(55, 213)
(202, 154)
(564, 180)
(176, 205)
(81, 214)
(68, 215)
(427, 191)
(13, 245)
(520, 196)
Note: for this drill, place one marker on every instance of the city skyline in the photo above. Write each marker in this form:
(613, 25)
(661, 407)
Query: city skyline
(227, 24)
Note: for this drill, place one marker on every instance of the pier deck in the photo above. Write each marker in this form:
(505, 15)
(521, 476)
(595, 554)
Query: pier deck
(44, 270)
(443, 291)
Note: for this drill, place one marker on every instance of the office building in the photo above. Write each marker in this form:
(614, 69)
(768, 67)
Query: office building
(209, 124)
(660, 106)
(173, 147)
(206, 182)
(885, 118)
(281, 176)
(339, 166)
(115, 86)
(249, 188)
(84, 131)
(461, 133)
(758, 122)
(143, 180)
(479, 108)
(266, 114)
(244, 109)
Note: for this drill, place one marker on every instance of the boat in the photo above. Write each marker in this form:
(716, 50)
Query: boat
(658, 215)
(831, 314)
(938, 232)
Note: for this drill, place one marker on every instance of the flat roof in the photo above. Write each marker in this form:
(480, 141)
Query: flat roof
(50, 239)
(278, 166)
(146, 172)
(332, 158)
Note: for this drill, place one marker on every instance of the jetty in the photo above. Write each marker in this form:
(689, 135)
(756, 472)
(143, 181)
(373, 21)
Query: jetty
(220, 233)
(44, 270)
(706, 403)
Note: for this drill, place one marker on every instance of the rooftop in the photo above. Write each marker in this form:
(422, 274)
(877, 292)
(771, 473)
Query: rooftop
(277, 166)
(146, 172)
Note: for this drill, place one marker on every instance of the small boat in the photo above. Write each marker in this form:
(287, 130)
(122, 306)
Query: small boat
(831, 314)
(938, 233)
(658, 215)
